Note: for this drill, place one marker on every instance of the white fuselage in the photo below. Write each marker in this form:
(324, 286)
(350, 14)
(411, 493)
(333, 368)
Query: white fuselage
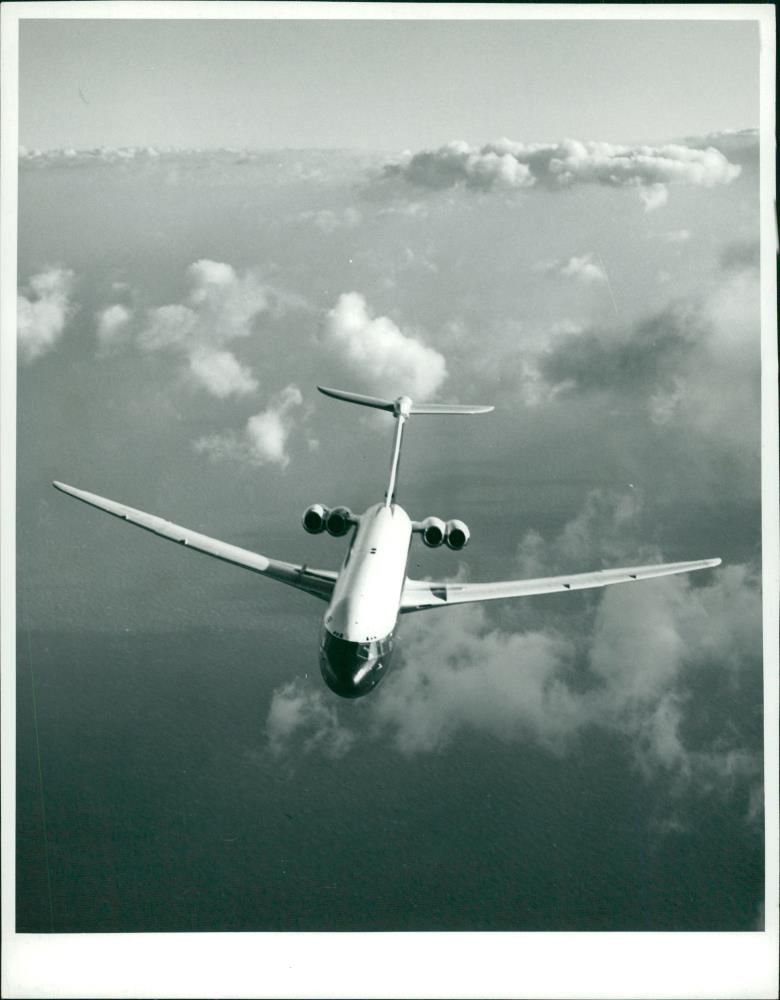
(365, 601)
(361, 616)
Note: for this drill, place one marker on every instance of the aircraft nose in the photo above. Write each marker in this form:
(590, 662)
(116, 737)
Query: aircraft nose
(352, 669)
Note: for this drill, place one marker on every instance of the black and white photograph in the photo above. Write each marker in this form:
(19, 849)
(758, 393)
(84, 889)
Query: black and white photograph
(390, 524)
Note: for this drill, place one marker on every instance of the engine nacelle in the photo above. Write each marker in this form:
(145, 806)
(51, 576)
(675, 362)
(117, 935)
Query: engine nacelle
(338, 521)
(433, 531)
(314, 518)
(456, 535)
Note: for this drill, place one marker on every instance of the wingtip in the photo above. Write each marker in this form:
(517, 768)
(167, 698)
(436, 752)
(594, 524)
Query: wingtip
(64, 488)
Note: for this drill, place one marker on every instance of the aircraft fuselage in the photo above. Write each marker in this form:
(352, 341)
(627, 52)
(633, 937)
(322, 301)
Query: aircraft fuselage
(357, 631)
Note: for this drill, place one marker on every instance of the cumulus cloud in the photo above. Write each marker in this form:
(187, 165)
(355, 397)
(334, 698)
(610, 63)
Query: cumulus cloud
(222, 307)
(263, 440)
(723, 376)
(112, 327)
(302, 717)
(695, 364)
(606, 532)
(221, 373)
(379, 354)
(644, 664)
(584, 269)
(42, 312)
(505, 164)
(741, 146)
(654, 196)
(597, 362)
(463, 674)
(648, 647)
(635, 680)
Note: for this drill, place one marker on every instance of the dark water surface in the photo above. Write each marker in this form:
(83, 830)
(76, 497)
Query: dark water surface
(166, 811)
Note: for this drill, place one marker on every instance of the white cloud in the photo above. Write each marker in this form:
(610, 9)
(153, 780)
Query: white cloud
(648, 641)
(43, 312)
(222, 307)
(379, 354)
(629, 663)
(112, 324)
(264, 438)
(606, 532)
(583, 269)
(461, 674)
(533, 388)
(302, 717)
(507, 164)
(169, 328)
(741, 145)
(694, 366)
(654, 196)
(722, 376)
(221, 373)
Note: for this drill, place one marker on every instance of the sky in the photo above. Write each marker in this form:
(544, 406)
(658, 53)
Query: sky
(384, 85)
(560, 219)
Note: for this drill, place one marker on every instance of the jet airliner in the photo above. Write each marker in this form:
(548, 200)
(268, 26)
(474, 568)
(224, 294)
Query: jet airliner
(371, 590)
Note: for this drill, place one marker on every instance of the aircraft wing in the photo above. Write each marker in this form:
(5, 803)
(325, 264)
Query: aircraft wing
(418, 595)
(317, 582)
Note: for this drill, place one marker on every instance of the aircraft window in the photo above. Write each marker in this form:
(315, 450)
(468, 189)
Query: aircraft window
(383, 647)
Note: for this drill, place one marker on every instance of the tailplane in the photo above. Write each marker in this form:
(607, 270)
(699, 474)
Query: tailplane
(403, 405)
(402, 408)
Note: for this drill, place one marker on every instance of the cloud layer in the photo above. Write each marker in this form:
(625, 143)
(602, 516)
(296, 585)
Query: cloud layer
(222, 307)
(379, 354)
(694, 365)
(42, 312)
(640, 663)
(636, 678)
(298, 713)
(508, 165)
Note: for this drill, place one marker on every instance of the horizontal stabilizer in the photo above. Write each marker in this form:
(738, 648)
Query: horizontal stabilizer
(402, 408)
(403, 404)
(430, 408)
(355, 397)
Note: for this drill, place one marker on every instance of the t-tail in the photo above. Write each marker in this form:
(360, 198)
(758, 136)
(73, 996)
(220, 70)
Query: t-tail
(402, 408)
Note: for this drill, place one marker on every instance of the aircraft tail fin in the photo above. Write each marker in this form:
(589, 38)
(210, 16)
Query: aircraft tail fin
(402, 408)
